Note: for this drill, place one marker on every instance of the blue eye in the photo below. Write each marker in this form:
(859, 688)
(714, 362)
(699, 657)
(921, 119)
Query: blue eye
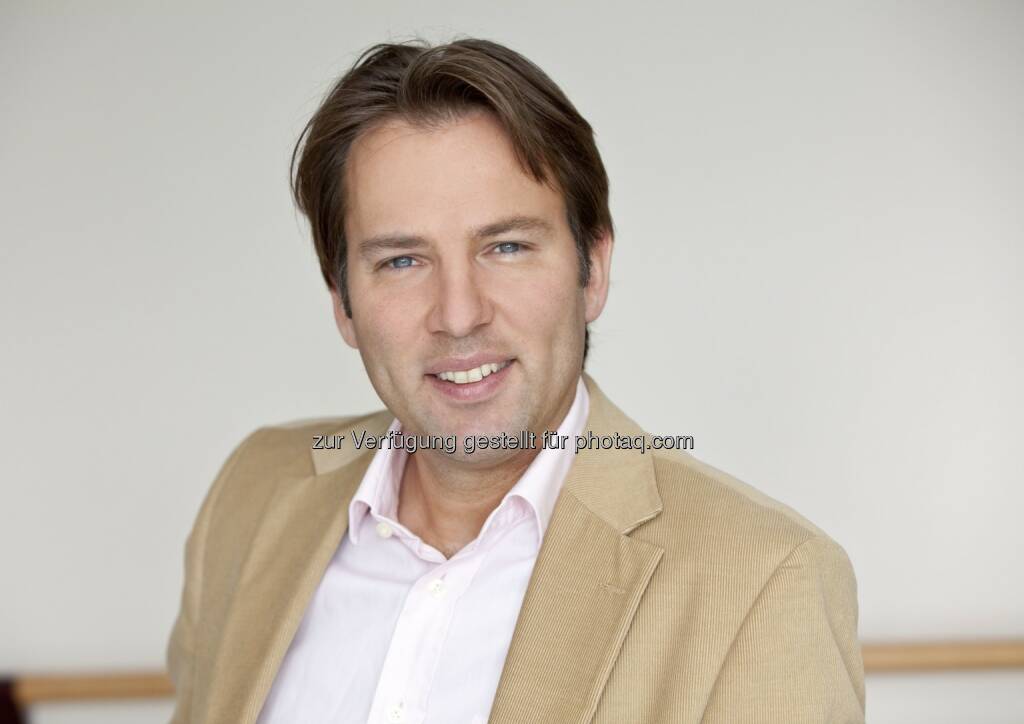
(399, 262)
(508, 247)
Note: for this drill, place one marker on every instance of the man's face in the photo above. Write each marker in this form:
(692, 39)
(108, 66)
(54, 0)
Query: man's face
(464, 281)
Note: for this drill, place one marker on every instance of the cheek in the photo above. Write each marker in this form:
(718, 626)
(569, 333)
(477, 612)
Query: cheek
(545, 308)
(385, 333)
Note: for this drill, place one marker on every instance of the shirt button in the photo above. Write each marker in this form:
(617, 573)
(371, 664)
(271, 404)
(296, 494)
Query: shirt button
(436, 587)
(384, 530)
(396, 714)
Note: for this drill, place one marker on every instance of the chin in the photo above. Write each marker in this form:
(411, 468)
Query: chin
(483, 458)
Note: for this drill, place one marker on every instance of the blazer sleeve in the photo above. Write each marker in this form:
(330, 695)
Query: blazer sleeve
(796, 658)
(182, 646)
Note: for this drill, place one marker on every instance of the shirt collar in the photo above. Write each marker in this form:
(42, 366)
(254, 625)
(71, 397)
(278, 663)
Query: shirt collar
(378, 491)
(542, 482)
(538, 487)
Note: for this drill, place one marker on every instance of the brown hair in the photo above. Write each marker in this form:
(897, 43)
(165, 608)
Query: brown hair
(428, 86)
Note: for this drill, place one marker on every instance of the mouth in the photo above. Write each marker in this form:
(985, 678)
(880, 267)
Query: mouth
(473, 374)
(465, 383)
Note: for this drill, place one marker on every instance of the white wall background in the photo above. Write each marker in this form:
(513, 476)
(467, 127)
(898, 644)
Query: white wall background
(817, 274)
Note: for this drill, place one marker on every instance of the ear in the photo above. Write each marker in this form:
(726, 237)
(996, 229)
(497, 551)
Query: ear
(596, 292)
(343, 321)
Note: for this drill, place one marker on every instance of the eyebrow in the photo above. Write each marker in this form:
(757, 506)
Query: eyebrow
(405, 242)
(512, 223)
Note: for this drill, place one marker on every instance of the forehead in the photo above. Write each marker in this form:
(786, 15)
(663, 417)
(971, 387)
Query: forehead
(460, 175)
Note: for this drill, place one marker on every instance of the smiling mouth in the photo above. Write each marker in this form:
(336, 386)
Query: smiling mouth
(475, 374)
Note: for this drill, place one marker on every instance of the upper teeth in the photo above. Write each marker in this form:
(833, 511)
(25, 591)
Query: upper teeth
(461, 377)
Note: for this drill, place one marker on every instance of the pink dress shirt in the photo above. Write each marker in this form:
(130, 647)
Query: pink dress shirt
(398, 634)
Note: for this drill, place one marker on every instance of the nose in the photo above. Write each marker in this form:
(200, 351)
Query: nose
(460, 302)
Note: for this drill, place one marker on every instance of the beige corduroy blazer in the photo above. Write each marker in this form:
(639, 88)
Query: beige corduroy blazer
(664, 591)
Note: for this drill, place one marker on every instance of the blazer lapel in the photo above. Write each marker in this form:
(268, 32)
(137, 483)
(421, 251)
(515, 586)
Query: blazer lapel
(586, 583)
(302, 526)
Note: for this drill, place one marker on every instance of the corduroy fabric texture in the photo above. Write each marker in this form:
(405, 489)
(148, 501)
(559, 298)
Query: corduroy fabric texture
(664, 591)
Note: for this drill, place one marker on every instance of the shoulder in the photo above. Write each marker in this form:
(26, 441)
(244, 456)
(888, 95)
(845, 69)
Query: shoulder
(274, 454)
(736, 527)
(290, 447)
(711, 523)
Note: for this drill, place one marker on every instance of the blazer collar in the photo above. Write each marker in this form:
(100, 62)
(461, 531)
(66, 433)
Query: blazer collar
(617, 484)
(586, 583)
(631, 501)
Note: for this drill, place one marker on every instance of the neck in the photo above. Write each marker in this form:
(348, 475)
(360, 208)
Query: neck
(445, 502)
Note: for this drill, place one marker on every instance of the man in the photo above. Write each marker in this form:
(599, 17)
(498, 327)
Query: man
(459, 208)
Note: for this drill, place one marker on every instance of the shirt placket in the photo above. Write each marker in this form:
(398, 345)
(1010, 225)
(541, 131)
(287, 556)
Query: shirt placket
(402, 693)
